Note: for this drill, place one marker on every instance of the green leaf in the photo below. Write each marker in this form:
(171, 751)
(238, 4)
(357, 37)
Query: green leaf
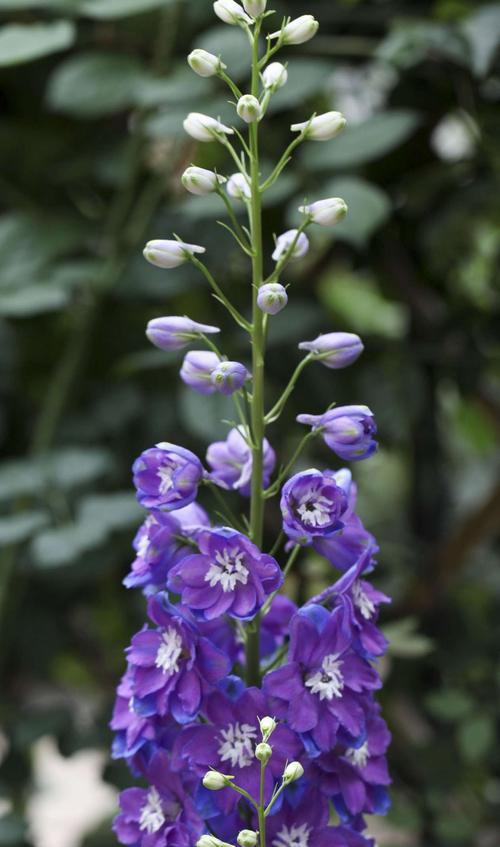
(68, 468)
(90, 85)
(362, 143)
(182, 86)
(369, 208)
(18, 528)
(111, 9)
(231, 44)
(412, 42)
(305, 78)
(202, 416)
(405, 641)
(33, 300)
(111, 511)
(482, 31)
(449, 704)
(21, 43)
(476, 737)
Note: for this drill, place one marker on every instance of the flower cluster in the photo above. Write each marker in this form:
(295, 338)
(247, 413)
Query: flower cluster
(247, 717)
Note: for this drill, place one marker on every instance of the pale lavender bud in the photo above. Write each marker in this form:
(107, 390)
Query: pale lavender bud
(263, 752)
(293, 771)
(285, 241)
(231, 12)
(204, 63)
(255, 7)
(205, 128)
(169, 254)
(326, 212)
(322, 127)
(197, 369)
(229, 377)
(274, 76)
(201, 181)
(339, 349)
(174, 333)
(299, 30)
(238, 187)
(272, 298)
(247, 838)
(249, 108)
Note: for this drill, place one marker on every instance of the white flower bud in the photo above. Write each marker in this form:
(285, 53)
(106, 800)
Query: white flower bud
(204, 128)
(263, 752)
(169, 254)
(247, 838)
(214, 780)
(274, 76)
(204, 63)
(323, 127)
(293, 771)
(285, 241)
(249, 108)
(200, 181)
(238, 187)
(271, 299)
(211, 841)
(299, 30)
(231, 12)
(326, 212)
(267, 726)
(255, 7)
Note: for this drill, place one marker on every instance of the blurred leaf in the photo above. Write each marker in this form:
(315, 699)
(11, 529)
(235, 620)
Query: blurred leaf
(12, 830)
(411, 42)
(231, 44)
(111, 9)
(362, 143)
(17, 528)
(180, 87)
(356, 299)
(369, 208)
(48, 237)
(111, 511)
(89, 85)
(32, 300)
(405, 641)
(482, 30)
(476, 737)
(449, 704)
(305, 78)
(298, 321)
(202, 415)
(25, 42)
(68, 467)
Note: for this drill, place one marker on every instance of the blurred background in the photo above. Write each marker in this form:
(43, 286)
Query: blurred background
(93, 93)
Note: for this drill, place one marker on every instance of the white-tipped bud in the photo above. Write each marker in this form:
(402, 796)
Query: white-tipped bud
(284, 243)
(169, 254)
(231, 12)
(211, 841)
(214, 780)
(247, 838)
(204, 63)
(322, 127)
(249, 108)
(238, 187)
(200, 181)
(326, 212)
(271, 299)
(274, 76)
(204, 128)
(255, 7)
(263, 752)
(267, 727)
(299, 30)
(293, 771)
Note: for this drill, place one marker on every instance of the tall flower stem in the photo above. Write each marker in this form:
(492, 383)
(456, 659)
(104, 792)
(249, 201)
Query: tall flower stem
(258, 352)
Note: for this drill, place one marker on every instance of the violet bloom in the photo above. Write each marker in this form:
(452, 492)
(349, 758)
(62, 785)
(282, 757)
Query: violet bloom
(167, 477)
(323, 685)
(227, 743)
(175, 333)
(305, 824)
(231, 462)
(335, 349)
(197, 368)
(162, 815)
(229, 377)
(173, 666)
(228, 576)
(347, 430)
(312, 505)
(132, 729)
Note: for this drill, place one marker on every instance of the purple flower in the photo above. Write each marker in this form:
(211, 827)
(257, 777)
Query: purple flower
(166, 477)
(174, 333)
(336, 349)
(229, 377)
(162, 815)
(272, 298)
(133, 729)
(324, 683)
(344, 548)
(347, 430)
(312, 505)
(231, 461)
(197, 368)
(305, 824)
(173, 666)
(229, 576)
(227, 743)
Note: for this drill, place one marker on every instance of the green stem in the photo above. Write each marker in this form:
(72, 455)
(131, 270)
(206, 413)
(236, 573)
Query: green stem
(261, 810)
(275, 487)
(288, 253)
(278, 407)
(240, 320)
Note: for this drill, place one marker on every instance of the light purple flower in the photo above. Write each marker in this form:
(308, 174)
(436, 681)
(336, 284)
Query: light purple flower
(305, 824)
(197, 369)
(336, 349)
(312, 504)
(347, 430)
(229, 377)
(173, 666)
(229, 576)
(174, 332)
(132, 729)
(231, 462)
(272, 298)
(167, 477)
(285, 241)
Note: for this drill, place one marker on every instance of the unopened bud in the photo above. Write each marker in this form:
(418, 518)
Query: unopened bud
(204, 127)
(271, 299)
(231, 12)
(322, 127)
(293, 771)
(285, 241)
(249, 108)
(255, 7)
(247, 838)
(169, 254)
(201, 181)
(211, 841)
(229, 377)
(238, 187)
(326, 212)
(204, 63)
(299, 30)
(263, 752)
(274, 76)
(214, 780)
(267, 727)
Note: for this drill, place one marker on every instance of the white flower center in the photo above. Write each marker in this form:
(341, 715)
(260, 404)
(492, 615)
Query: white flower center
(152, 817)
(314, 509)
(362, 601)
(228, 569)
(294, 836)
(167, 657)
(358, 756)
(165, 472)
(328, 682)
(236, 744)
